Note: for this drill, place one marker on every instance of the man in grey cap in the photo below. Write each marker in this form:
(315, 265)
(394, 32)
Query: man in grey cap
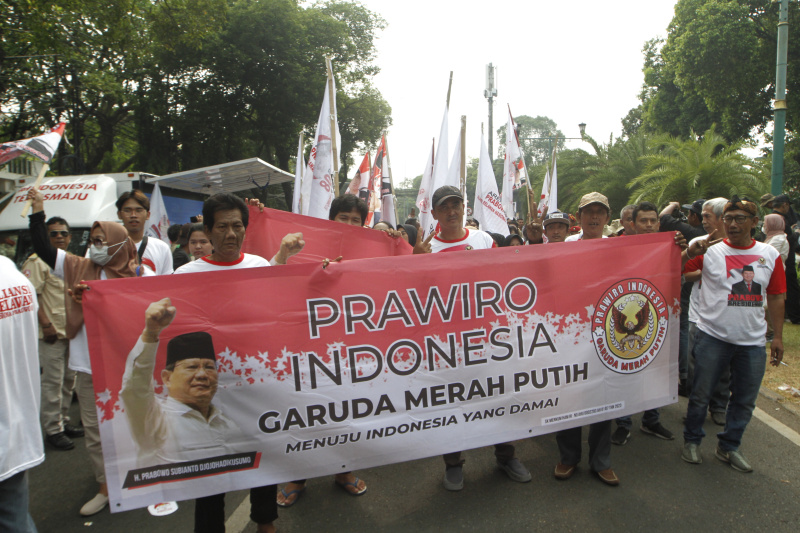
(554, 226)
(448, 210)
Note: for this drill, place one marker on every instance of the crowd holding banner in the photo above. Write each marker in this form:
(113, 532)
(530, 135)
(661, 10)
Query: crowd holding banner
(390, 359)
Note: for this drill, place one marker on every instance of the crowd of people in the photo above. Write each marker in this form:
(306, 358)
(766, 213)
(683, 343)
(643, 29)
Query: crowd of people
(739, 284)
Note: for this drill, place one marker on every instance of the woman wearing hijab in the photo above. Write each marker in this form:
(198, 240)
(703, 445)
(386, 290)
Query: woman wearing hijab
(411, 233)
(111, 255)
(776, 235)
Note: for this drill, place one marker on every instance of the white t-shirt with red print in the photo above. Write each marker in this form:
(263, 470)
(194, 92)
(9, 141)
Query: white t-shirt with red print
(728, 307)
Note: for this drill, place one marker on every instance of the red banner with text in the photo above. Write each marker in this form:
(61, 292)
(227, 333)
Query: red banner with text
(271, 374)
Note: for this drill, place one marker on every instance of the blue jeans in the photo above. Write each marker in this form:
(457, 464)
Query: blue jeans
(712, 357)
(14, 514)
(649, 418)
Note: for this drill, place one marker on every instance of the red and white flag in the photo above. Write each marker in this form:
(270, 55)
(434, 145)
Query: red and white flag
(488, 209)
(158, 223)
(510, 169)
(42, 147)
(375, 177)
(425, 195)
(387, 187)
(360, 179)
(319, 189)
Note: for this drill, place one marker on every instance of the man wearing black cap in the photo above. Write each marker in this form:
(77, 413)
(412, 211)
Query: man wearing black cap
(448, 211)
(781, 206)
(693, 227)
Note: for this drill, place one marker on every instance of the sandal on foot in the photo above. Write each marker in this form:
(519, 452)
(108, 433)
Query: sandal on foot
(355, 491)
(286, 495)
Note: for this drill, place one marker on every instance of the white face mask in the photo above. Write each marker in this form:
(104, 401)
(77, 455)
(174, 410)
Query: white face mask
(100, 256)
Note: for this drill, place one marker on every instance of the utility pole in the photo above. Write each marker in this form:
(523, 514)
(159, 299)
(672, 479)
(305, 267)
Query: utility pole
(490, 92)
(780, 99)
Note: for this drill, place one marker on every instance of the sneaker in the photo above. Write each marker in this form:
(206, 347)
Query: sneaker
(735, 459)
(621, 436)
(73, 432)
(60, 441)
(657, 430)
(95, 505)
(718, 418)
(691, 453)
(454, 478)
(516, 470)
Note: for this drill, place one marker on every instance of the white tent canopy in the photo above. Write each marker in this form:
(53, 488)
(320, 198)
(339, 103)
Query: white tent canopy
(227, 177)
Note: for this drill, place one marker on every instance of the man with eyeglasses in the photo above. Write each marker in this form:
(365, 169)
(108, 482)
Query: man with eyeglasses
(731, 327)
(133, 209)
(57, 380)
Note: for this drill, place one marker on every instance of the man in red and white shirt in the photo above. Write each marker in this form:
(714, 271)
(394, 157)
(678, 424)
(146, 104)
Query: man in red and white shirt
(225, 218)
(448, 211)
(731, 327)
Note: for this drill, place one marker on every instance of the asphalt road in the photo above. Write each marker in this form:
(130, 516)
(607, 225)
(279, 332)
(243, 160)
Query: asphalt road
(658, 492)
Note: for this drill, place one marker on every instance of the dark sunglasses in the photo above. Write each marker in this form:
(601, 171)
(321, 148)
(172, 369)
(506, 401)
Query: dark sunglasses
(62, 233)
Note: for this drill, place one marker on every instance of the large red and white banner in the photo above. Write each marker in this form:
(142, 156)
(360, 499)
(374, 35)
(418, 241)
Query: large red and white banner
(376, 361)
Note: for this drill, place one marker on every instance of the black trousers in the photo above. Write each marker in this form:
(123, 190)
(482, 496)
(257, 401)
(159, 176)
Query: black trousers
(209, 512)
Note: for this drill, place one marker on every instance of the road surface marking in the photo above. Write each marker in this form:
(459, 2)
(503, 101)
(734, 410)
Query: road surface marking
(240, 518)
(784, 430)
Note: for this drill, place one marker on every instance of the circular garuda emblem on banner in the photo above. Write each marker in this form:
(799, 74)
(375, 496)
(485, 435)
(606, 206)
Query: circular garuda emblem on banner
(629, 325)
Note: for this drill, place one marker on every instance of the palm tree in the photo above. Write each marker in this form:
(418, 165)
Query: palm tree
(698, 167)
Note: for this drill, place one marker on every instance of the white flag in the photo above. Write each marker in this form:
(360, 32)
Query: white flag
(510, 170)
(299, 168)
(425, 195)
(488, 209)
(454, 174)
(440, 167)
(158, 223)
(318, 179)
(549, 196)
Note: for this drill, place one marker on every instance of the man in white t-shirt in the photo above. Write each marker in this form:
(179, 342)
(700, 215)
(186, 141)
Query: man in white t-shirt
(133, 209)
(712, 220)
(731, 328)
(448, 211)
(225, 219)
(21, 446)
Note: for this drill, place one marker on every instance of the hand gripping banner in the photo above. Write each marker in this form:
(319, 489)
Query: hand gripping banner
(272, 374)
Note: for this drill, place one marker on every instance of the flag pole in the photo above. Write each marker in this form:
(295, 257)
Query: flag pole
(302, 172)
(29, 203)
(463, 170)
(449, 87)
(391, 176)
(524, 165)
(332, 113)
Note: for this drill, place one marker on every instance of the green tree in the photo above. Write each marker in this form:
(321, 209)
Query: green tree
(717, 66)
(699, 167)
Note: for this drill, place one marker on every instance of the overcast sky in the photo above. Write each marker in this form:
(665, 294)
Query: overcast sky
(573, 61)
